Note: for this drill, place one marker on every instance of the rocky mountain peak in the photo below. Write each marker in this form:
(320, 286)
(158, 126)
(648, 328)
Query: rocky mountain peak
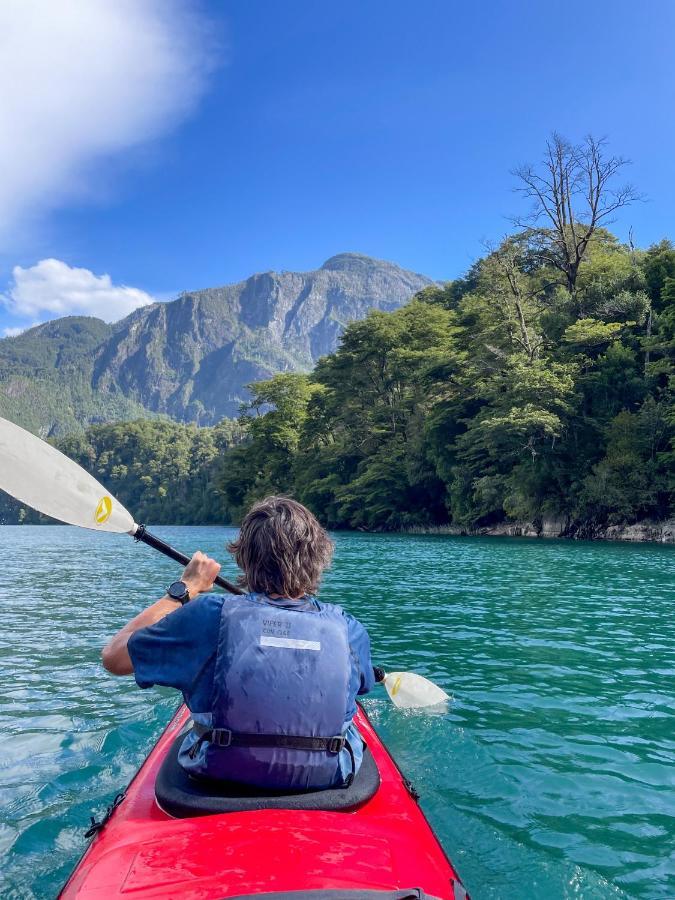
(191, 358)
(353, 262)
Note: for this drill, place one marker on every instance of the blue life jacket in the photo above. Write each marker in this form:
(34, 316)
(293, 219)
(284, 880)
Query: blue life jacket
(281, 695)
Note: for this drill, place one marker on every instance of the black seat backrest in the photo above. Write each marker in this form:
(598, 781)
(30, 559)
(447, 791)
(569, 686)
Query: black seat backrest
(182, 796)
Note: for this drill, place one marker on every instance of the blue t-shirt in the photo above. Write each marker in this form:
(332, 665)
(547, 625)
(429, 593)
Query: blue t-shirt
(180, 650)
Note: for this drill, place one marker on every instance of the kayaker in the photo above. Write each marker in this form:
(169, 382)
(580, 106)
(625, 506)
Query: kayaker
(270, 677)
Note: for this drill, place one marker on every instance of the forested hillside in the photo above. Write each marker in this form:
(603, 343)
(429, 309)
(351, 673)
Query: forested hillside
(538, 387)
(46, 378)
(162, 470)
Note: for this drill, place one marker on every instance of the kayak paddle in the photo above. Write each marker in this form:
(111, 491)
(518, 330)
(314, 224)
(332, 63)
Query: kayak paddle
(407, 690)
(39, 475)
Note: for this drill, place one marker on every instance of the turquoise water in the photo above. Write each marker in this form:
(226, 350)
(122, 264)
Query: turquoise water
(551, 776)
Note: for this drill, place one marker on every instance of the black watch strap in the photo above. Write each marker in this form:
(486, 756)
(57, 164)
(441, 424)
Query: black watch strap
(178, 591)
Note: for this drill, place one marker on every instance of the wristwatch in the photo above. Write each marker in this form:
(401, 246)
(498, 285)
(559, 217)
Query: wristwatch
(178, 591)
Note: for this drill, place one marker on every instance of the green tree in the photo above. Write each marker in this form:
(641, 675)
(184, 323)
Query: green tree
(363, 462)
(164, 471)
(659, 265)
(633, 480)
(273, 419)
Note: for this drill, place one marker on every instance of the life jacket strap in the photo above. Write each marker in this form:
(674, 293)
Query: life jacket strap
(223, 737)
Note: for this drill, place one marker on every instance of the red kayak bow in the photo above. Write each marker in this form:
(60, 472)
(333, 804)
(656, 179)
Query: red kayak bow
(381, 848)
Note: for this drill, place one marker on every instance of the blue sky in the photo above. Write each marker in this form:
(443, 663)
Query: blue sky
(266, 135)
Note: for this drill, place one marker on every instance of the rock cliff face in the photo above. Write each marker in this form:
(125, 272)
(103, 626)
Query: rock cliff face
(192, 358)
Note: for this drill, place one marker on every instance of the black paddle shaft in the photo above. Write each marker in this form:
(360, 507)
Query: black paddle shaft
(142, 534)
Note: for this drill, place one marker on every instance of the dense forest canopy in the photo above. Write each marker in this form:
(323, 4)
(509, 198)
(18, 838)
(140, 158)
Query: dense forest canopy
(539, 385)
(163, 471)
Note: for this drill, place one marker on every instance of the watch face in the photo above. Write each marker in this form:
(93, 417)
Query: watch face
(178, 590)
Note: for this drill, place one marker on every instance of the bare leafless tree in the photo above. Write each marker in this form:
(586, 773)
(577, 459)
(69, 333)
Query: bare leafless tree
(572, 194)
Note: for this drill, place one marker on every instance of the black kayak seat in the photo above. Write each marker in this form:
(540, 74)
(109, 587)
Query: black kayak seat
(182, 796)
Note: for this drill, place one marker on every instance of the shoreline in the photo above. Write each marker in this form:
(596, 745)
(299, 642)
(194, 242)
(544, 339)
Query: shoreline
(643, 532)
(646, 531)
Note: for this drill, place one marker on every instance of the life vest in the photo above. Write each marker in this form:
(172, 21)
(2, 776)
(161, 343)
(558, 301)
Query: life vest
(281, 694)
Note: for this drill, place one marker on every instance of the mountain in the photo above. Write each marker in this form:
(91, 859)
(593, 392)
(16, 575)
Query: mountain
(46, 378)
(191, 358)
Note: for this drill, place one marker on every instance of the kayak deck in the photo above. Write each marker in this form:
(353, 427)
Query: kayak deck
(384, 844)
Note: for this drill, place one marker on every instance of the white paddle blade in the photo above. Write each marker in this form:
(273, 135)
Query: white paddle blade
(38, 475)
(410, 691)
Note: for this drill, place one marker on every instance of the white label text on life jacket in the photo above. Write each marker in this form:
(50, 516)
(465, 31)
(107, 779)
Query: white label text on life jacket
(290, 643)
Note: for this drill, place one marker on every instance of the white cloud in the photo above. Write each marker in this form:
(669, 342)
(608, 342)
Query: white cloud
(14, 331)
(84, 79)
(53, 288)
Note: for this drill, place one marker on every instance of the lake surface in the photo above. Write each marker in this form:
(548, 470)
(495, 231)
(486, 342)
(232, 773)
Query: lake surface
(551, 776)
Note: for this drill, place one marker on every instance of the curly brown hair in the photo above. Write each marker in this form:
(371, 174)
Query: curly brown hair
(281, 549)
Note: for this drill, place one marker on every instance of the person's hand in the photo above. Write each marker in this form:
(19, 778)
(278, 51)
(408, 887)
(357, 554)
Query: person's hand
(200, 573)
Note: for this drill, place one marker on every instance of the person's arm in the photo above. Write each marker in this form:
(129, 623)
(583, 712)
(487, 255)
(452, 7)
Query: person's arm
(199, 575)
(359, 643)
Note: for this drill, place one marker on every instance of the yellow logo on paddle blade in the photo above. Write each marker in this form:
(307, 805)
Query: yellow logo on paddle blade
(396, 687)
(103, 510)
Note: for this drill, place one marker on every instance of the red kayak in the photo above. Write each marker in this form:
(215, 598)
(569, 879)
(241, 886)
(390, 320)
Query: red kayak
(370, 840)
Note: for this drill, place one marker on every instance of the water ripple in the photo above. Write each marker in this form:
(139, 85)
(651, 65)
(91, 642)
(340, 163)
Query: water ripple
(549, 776)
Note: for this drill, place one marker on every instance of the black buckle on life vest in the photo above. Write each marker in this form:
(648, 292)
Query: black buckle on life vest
(222, 737)
(336, 744)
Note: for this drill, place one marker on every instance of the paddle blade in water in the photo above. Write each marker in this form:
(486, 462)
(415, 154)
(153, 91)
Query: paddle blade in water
(38, 475)
(409, 691)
